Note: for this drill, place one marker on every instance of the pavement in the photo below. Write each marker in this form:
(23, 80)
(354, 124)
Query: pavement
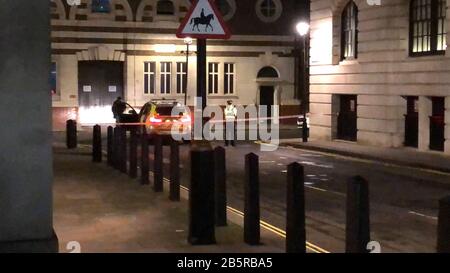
(409, 157)
(103, 210)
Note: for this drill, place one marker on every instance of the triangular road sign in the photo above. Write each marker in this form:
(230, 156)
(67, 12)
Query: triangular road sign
(203, 21)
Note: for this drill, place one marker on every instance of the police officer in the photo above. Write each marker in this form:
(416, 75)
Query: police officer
(230, 119)
(118, 108)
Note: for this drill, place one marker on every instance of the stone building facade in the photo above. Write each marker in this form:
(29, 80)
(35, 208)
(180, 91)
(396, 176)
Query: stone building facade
(379, 73)
(96, 42)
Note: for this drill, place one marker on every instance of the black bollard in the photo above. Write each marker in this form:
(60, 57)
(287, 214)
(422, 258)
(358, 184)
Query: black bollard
(123, 149)
(116, 147)
(358, 219)
(201, 196)
(133, 152)
(251, 209)
(220, 186)
(97, 144)
(443, 237)
(110, 146)
(295, 210)
(144, 158)
(174, 194)
(71, 134)
(158, 164)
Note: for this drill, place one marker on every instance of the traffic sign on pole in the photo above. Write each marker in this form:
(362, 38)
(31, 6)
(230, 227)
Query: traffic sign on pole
(203, 21)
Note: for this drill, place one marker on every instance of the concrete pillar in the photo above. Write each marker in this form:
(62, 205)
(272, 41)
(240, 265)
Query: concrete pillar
(425, 111)
(447, 125)
(25, 140)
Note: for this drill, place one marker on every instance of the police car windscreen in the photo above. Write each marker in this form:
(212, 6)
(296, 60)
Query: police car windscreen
(167, 110)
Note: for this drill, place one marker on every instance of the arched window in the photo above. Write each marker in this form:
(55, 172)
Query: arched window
(165, 7)
(224, 7)
(427, 32)
(268, 8)
(349, 32)
(268, 72)
(101, 6)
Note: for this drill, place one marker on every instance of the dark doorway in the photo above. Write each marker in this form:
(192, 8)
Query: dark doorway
(437, 124)
(266, 98)
(347, 118)
(99, 82)
(412, 122)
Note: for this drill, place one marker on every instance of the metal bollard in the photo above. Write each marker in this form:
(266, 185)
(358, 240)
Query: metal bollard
(123, 149)
(71, 134)
(443, 237)
(133, 152)
(201, 196)
(158, 185)
(97, 144)
(174, 194)
(295, 209)
(116, 150)
(144, 157)
(109, 146)
(220, 186)
(358, 220)
(251, 209)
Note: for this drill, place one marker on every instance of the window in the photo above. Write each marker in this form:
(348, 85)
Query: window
(149, 77)
(53, 75)
(181, 78)
(229, 78)
(427, 27)
(165, 7)
(227, 8)
(349, 32)
(268, 11)
(101, 6)
(268, 8)
(166, 76)
(213, 78)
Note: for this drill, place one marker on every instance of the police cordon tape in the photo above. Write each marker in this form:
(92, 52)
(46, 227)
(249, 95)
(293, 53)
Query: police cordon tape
(211, 121)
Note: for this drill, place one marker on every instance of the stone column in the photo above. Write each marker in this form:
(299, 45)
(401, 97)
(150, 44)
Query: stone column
(425, 111)
(447, 125)
(25, 140)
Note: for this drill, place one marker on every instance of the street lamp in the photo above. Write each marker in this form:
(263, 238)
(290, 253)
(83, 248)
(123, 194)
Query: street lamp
(188, 42)
(302, 30)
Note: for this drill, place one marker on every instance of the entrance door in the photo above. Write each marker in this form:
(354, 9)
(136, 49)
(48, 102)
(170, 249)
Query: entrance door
(347, 118)
(99, 83)
(266, 98)
(412, 122)
(437, 124)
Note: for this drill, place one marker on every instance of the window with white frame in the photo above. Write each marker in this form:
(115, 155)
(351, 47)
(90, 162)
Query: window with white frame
(166, 76)
(229, 72)
(181, 77)
(213, 78)
(149, 77)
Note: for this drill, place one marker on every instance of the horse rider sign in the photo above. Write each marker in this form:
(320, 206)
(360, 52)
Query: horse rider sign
(203, 21)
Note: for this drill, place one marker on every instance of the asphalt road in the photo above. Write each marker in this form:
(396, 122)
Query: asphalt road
(403, 201)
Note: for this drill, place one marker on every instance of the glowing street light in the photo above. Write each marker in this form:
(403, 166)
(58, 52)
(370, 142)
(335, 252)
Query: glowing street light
(302, 30)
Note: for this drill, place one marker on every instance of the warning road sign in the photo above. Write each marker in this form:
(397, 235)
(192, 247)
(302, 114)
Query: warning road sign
(203, 21)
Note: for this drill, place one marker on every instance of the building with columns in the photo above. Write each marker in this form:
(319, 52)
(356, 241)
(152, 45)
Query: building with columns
(102, 49)
(379, 73)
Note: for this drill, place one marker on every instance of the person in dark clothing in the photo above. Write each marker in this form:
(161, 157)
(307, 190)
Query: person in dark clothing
(118, 108)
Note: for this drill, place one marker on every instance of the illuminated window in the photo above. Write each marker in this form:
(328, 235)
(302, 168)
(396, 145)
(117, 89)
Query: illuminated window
(149, 77)
(427, 27)
(165, 7)
(166, 77)
(213, 78)
(229, 78)
(349, 32)
(101, 6)
(181, 77)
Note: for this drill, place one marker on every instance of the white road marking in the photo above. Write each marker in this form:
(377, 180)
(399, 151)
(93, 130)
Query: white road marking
(422, 215)
(316, 165)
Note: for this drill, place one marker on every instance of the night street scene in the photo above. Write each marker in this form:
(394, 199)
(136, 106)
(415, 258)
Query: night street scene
(215, 135)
